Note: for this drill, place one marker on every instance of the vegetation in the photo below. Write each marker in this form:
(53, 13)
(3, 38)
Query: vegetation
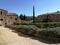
(26, 29)
(25, 18)
(33, 15)
(45, 30)
(41, 25)
(51, 34)
(21, 17)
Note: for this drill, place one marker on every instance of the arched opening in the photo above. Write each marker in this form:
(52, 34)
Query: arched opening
(1, 12)
(1, 19)
(5, 23)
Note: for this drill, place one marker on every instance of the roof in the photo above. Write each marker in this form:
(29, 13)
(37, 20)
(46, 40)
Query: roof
(9, 14)
(4, 10)
(14, 14)
(58, 12)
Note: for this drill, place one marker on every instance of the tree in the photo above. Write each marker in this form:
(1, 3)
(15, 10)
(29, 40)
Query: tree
(24, 17)
(33, 14)
(21, 17)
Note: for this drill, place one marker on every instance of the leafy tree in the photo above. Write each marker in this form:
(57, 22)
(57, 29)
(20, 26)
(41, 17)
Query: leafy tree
(28, 18)
(24, 17)
(21, 16)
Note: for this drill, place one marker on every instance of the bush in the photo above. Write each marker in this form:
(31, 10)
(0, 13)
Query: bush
(51, 34)
(27, 29)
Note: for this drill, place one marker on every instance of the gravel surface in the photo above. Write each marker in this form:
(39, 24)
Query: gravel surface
(7, 37)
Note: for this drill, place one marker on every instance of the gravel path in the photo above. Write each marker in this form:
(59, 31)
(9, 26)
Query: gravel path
(7, 37)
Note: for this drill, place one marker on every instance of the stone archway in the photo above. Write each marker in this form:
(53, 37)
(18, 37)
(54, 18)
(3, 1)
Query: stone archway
(1, 21)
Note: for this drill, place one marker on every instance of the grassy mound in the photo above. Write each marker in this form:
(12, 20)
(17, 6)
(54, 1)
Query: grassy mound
(50, 34)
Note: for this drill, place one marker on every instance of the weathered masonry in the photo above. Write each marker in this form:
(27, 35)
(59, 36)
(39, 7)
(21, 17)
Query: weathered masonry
(52, 17)
(8, 18)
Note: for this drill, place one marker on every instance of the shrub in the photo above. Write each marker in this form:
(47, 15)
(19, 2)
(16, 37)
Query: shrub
(51, 34)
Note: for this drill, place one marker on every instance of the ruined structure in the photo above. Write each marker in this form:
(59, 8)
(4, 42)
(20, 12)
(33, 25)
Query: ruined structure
(51, 17)
(8, 18)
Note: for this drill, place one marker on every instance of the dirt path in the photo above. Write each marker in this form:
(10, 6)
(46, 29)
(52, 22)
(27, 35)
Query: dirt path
(7, 37)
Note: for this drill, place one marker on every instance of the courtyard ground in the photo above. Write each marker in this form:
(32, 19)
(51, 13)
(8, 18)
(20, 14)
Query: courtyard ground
(8, 37)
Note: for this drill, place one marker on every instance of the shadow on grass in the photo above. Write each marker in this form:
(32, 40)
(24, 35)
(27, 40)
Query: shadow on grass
(34, 38)
(20, 34)
(44, 41)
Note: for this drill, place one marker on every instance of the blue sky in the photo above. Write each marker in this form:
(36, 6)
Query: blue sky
(25, 6)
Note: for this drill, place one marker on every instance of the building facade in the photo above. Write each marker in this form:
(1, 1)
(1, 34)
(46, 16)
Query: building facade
(51, 17)
(8, 18)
